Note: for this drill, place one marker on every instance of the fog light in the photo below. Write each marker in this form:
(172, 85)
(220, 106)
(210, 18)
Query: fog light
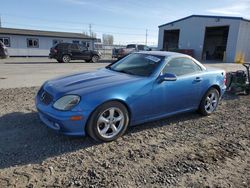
(57, 126)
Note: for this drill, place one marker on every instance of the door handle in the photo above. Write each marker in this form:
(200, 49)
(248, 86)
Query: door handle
(198, 79)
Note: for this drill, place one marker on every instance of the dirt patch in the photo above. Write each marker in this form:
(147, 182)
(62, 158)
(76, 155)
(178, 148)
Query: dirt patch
(187, 150)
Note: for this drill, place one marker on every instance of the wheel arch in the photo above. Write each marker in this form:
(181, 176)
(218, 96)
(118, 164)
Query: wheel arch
(217, 87)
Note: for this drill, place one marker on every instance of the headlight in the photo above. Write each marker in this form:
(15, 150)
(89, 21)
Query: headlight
(67, 102)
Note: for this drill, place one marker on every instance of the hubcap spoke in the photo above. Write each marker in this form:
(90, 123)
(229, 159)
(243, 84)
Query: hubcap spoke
(212, 96)
(119, 118)
(113, 127)
(214, 101)
(103, 120)
(111, 113)
(105, 129)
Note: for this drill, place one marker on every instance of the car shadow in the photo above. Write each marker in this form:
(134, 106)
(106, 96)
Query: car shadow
(175, 119)
(232, 96)
(24, 139)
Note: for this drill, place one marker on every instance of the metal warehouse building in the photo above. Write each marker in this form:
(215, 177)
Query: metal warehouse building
(23, 42)
(210, 37)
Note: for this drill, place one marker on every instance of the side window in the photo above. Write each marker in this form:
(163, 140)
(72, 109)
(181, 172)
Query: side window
(146, 48)
(32, 43)
(181, 66)
(83, 48)
(74, 47)
(56, 41)
(140, 47)
(76, 42)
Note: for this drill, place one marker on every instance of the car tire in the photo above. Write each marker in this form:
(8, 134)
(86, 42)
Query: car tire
(209, 102)
(108, 122)
(66, 58)
(95, 59)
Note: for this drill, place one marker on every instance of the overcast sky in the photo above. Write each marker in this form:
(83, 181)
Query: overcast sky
(127, 20)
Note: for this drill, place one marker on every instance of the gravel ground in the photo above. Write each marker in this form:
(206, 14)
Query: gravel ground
(183, 151)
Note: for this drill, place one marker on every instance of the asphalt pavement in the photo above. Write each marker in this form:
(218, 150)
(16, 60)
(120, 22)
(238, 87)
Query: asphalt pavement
(27, 72)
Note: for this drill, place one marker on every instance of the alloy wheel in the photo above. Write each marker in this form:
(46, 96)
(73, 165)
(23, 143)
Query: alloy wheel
(110, 122)
(211, 102)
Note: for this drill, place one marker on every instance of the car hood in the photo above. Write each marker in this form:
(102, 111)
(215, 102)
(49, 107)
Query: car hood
(82, 83)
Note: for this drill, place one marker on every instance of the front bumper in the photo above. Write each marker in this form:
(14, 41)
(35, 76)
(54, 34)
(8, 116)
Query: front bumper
(60, 121)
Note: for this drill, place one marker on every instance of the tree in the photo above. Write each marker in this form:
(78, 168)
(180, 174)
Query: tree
(107, 39)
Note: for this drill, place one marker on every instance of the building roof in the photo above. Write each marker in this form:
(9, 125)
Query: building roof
(43, 33)
(206, 16)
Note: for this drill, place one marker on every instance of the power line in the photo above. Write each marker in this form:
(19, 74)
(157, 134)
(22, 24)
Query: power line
(81, 23)
(80, 30)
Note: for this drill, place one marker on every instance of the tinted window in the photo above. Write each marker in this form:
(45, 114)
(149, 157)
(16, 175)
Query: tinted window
(61, 46)
(131, 46)
(181, 66)
(76, 42)
(56, 41)
(141, 47)
(74, 47)
(146, 48)
(83, 48)
(137, 64)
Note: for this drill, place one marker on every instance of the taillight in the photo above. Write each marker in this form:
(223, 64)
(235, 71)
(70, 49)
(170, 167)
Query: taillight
(225, 78)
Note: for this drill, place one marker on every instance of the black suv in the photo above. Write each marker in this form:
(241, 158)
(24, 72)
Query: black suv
(64, 52)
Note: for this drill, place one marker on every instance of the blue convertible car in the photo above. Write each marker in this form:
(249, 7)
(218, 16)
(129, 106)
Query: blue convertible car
(141, 87)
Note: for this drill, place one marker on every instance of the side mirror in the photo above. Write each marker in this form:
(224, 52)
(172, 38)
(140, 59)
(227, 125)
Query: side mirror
(167, 77)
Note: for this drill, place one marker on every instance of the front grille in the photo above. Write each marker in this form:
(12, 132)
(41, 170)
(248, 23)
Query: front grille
(45, 97)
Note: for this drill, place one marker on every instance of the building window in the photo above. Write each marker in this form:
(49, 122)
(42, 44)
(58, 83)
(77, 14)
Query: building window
(6, 41)
(32, 43)
(56, 41)
(76, 42)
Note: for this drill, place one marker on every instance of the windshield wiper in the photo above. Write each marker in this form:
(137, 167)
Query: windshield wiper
(127, 72)
(122, 71)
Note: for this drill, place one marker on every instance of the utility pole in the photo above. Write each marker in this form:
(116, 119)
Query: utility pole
(146, 37)
(90, 30)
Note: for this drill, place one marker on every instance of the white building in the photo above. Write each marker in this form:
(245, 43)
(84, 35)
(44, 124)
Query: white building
(23, 42)
(210, 37)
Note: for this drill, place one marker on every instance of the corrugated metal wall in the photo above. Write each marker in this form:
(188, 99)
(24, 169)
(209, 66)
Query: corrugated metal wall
(192, 34)
(243, 43)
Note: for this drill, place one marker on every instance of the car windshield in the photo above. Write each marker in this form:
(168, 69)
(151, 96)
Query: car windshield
(131, 46)
(137, 64)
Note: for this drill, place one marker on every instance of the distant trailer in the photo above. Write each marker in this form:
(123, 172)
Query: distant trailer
(37, 43)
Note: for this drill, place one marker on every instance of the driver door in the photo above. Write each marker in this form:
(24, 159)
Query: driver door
(85, 53)
(183, 94)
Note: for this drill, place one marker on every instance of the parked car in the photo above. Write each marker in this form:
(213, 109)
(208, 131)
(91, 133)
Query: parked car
(3, 50)
(64, 52)
(141, 87)
(115, 52)
(130, 48)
